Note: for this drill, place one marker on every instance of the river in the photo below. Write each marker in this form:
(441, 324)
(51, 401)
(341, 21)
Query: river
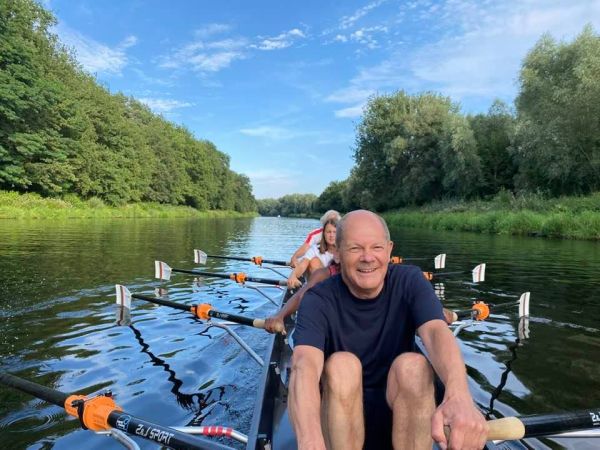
(59, 321)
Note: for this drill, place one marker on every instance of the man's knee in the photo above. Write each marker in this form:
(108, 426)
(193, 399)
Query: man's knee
(343, 373)
(410, 374)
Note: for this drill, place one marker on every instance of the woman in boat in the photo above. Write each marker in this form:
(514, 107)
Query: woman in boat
(317, 256)
(314, 237)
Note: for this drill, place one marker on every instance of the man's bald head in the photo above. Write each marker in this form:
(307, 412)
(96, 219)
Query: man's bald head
(360, 215)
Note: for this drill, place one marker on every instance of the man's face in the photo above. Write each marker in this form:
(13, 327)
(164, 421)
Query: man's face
(364, 254)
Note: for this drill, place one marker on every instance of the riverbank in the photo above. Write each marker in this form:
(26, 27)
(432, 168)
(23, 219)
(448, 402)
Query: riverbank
(529, 215)
(14, 205)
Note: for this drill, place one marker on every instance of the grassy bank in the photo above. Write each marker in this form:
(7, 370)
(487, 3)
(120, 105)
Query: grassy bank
(529, 215)
(32, 206)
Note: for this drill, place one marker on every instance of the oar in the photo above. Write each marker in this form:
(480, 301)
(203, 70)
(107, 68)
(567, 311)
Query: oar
(163, 272)
(101, 413)
(439, 261)
(512, 428)
(478, 274)
(481, 310)
(203, 311)
(200, 258)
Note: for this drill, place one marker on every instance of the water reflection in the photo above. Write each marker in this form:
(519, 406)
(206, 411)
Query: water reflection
(195, 402)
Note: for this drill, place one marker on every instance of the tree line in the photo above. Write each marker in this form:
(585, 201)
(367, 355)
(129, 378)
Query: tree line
(63, 133)
(413, 149)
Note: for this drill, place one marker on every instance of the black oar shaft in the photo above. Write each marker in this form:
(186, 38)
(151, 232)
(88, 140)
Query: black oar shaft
(544, 425)
(50, 395)
(161, 435)
(465, 314)
(276, 262)
(241, 258)
(160, 301)
(235, 258)
(232, 276)
(200, 272)
(267, 281)
(231, 317)
(120, 420)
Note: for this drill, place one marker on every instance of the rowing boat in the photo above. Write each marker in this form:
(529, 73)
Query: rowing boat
(270, 426)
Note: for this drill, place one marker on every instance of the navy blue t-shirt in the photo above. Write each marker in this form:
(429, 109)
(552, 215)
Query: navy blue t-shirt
(376, 330)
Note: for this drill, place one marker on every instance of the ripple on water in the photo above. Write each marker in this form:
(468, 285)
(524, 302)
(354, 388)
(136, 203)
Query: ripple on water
(30, 420)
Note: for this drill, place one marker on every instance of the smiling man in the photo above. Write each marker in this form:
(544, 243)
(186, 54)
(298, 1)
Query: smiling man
(355, 345)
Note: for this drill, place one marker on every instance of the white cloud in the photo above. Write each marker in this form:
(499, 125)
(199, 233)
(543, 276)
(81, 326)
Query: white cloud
(350, 95)
(281, 41)
(211, 29)
(206, 56)
(479, 53)
(269, 132)
(161, 105)
(209, 56)
(273, 183)
(351, 112)
(349, 21)
(94, 56)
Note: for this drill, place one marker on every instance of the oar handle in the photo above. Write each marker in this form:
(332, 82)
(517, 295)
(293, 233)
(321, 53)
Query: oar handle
(505, 429)
(513, 428)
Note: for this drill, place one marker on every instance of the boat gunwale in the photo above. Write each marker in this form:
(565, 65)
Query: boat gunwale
(264, 385)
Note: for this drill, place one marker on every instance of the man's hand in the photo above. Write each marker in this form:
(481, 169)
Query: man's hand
(468, 428)
(274, 323)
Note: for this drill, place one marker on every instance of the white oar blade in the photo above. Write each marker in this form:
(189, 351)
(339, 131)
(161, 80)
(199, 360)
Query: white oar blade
(162, 271)
(123, 296)
(200, 257)
(440, 261)
(479, 273)
(524, 304)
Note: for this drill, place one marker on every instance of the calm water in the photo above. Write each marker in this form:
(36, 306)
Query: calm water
(58, 321)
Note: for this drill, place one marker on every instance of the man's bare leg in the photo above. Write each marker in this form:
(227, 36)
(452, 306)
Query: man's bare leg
(342, 406)
(410, 394)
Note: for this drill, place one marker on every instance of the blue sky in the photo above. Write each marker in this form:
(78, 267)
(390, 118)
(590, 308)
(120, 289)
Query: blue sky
(280, 85)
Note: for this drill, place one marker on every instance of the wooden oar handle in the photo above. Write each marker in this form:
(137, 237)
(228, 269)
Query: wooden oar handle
(260, 323)
(505, 429)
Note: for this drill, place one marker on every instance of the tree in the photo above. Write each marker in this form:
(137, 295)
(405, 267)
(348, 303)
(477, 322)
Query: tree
(331, 197)
(411, 150)
(493, 133)
(557, 142)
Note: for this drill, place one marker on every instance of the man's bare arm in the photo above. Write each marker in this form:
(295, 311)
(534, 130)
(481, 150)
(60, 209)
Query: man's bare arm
(467, 426)
(304, 397)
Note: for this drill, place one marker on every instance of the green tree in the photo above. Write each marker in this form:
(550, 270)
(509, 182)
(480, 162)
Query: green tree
(493, 133)
(411, 150)
(34, 111)
(331, 197)
(557, 142)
